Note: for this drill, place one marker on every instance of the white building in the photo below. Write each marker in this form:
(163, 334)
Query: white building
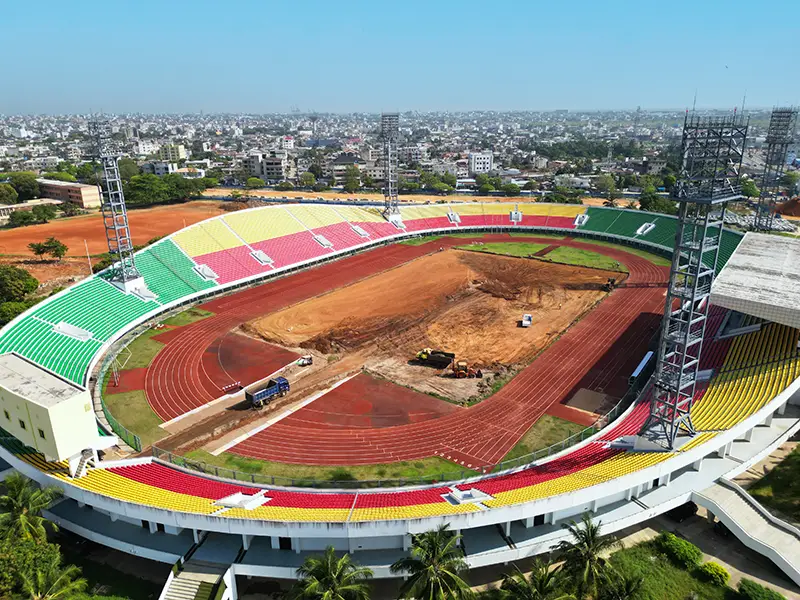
(269, 166)
(191, 173)
(159, 168)
(145, 147)
(480, 162)
(41, 163)
(287, 142)
(409, 154)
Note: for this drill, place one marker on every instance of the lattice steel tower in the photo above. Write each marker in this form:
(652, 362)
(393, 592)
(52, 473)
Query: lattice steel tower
(713, 149)
(390, 132)
(782, 125)
(115, 215)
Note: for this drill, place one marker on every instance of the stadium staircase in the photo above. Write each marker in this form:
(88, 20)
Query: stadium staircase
(196, 581)
(753, 525)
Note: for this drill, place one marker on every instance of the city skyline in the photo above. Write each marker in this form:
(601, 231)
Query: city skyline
(182, 58)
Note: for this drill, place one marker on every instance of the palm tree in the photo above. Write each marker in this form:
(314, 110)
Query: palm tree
(543, 583)
(329, 577)
(434, 568)
(610, 202)
(51, 581)
(21, 507)
(582, 554)
(618, 586)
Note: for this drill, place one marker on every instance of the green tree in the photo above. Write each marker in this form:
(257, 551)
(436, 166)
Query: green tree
(495, 182)
(582, 554)
(442, 188)
(532, 185)
(606, 185)
(254, 182)
(21, 508)
(618, 586)
(88, 172)
(316, 170)
(127, 168)
(434, 567)
(26, 185)
(449, 179)
(352, 179)
(18, 560)
(329, 577)
(50, 246)
(9, 311)
(21, 218)
(789, 180)
(510, 189)
(69, 209)
(8, 195)
(543, 583)
(284, 186)
(610, 202)
(146, 189)
(308, 179)
(16, 283)
(44, 212)
(52, 581)
(366, 180)
(485, 189)
(481, 179)
(650, 201)
(60, 176)
(669, 182)
(749, 188)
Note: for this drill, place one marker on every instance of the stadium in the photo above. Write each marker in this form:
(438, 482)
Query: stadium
(268, 266)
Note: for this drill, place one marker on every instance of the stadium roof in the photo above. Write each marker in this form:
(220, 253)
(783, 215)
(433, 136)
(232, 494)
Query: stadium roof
(33, 383)
(762, 279)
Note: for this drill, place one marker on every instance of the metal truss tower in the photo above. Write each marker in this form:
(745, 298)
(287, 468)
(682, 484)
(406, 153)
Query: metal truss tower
(390, 132)
(115, 214)
(712, 149)
(782, 125)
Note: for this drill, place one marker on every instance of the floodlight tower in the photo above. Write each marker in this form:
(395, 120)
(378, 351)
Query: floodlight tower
(782, 125)
(712, 148)
(123, 272)
(390, 132)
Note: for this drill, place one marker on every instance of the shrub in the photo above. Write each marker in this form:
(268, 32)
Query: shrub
(681, 552)
(750, 590)
(715, 573)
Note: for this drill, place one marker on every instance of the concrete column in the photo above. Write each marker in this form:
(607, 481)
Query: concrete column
(296, 545)
(768, 420)
(196, 536)
(508, 528)
(710, 516)
(274, 542)
(458, 532)
(406, 541)
(246, 539)
(113, 517)
(665, 479)
(153, 526)
(528, 522)
(593, 506)
(550, 518)
(697, 465)
(782, 409)
(629, 494)
(637, 491)
(748, 435)
(721, 453)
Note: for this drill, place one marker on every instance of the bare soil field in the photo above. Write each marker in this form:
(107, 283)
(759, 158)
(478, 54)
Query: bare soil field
(50, 273)
(146, 223)
(463, 302)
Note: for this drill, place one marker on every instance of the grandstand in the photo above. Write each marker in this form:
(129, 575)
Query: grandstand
(741, 413)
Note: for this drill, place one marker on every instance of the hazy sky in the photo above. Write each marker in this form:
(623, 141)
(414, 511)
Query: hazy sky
(341, 56)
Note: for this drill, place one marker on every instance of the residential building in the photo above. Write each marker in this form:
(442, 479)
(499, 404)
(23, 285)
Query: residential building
(145, 147)
(191, 173)
(287, 142)
(270, 166)
(41, 163)
(339, 165)
(411, 154)
(173, 152)
(159, 168)
(480, 162)
(85, 196)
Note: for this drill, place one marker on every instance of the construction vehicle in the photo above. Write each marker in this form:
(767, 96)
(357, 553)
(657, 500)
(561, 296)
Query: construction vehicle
(262, 396)
(435, 358)
(461, 370)
(527, 320)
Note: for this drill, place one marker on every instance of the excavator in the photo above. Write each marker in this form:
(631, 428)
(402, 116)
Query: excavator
(462, 370)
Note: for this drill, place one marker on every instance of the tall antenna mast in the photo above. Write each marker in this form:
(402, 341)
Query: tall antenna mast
(782, 124)
(123, 272)
(390, 132)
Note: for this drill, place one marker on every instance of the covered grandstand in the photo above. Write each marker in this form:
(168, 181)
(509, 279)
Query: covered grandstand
(740, 413)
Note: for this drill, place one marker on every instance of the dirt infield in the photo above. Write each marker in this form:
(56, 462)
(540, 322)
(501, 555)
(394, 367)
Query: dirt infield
(145, 223)
(365, 401)
(463, 302)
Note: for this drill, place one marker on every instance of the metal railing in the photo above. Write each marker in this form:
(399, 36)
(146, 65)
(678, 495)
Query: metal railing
(445, 476)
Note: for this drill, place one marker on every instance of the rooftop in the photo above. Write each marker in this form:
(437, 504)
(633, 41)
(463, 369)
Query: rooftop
(762, 279)
(63, 183)
(34, 383)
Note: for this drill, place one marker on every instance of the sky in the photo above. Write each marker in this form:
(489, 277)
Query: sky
(175, 56)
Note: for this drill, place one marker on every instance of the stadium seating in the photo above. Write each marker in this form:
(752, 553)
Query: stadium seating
(169, 273)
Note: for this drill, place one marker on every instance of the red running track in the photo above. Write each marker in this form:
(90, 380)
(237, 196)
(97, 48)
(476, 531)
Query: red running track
(610, 336)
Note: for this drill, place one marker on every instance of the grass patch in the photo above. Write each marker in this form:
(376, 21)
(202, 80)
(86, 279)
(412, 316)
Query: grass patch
(188, 316)
(653, 258)
(547, 431)
(517, 249)
(662, 579)
(780, 488)
(143, 350)
(551, 236)
(133, 412)
(431, 468)
(420, 241)
(583, 258)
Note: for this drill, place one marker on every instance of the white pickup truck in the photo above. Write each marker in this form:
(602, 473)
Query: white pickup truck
(527, 320)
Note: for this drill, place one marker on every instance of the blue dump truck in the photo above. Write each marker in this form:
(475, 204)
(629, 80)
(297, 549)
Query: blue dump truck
(261, 396)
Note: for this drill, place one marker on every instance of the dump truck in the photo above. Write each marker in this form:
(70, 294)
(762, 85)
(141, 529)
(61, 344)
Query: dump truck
(461, 369)
(435, 358)
(261, 396)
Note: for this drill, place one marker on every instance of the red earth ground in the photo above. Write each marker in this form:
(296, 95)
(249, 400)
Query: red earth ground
(597, 353)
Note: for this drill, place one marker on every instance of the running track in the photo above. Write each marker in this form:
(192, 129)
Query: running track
(481, 435)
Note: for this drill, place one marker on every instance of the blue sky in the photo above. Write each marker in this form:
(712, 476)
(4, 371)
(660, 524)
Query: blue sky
(273, 55)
